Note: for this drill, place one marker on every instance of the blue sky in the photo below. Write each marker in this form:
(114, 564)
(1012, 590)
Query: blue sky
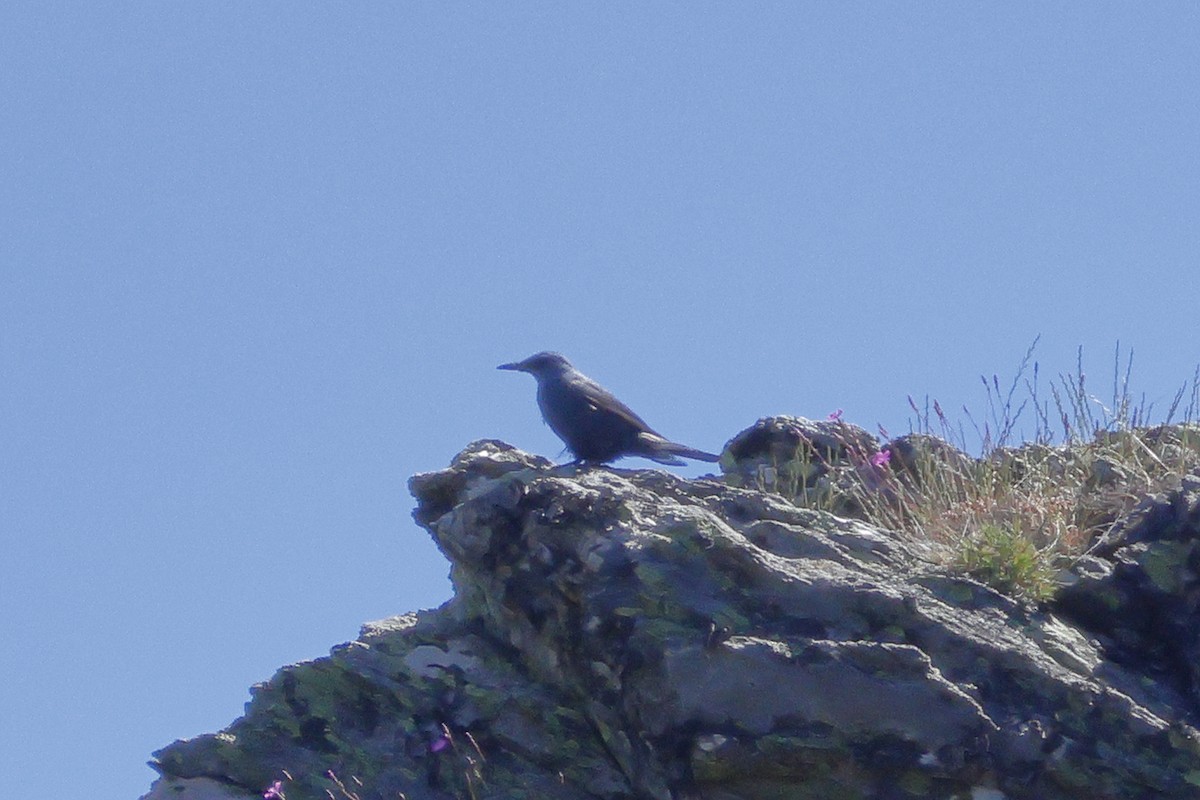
(259, 261)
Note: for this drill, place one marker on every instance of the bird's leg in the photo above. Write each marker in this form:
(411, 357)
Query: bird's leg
(581, 463)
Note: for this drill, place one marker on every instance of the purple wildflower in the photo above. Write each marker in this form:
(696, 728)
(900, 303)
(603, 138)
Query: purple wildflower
(836, 416)
(439, 744)
(275, 792)
(881, 458)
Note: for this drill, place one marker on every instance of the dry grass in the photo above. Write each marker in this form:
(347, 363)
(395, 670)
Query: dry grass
(1028, 504)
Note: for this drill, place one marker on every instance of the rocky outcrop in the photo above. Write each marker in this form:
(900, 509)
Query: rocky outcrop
(1139, 590)
(630, 634)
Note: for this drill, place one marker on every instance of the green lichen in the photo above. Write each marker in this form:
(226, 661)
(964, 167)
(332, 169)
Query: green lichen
(915, 783)
(1165, 564)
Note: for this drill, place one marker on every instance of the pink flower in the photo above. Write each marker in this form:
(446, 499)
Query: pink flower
(881, 458)
(836, 416)
(275, 792)
(439, 744)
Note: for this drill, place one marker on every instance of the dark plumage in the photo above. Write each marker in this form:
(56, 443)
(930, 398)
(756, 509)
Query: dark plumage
(596, 426)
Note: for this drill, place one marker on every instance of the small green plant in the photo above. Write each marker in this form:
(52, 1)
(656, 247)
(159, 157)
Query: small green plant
(1008, 560)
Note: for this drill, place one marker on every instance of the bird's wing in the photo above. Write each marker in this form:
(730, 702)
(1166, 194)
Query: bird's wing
(604, 402)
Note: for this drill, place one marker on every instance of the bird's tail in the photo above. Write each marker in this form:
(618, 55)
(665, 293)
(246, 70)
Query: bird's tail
(665, 451)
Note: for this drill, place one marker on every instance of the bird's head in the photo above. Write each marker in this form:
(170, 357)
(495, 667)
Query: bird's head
(541, 365)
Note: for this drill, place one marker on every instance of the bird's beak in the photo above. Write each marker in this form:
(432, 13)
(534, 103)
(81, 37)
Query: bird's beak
(515, 366)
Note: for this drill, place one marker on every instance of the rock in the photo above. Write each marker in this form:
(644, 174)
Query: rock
(921, 457)
(822, 463)
(1039, 461)
(196, 789)
(630, 634)
(786, 453)
(1139, 592)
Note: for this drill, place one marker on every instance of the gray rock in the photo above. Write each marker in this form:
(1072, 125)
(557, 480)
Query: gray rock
(196, 789)
(630, 634)
(1139, 592)
(822, 463)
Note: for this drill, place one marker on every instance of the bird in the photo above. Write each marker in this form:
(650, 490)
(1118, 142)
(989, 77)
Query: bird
(596, 427)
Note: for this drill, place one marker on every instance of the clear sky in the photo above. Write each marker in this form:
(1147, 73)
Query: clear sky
(258, 262)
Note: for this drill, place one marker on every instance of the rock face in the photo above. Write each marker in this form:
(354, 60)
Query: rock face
(630, 634)
(1139, 590)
